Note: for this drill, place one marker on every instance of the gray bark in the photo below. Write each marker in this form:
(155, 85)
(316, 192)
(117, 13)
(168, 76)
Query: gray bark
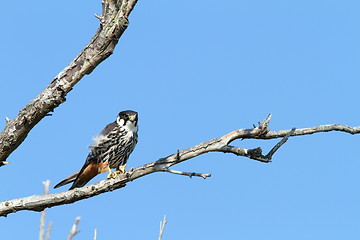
(40, 202)
(113, 22)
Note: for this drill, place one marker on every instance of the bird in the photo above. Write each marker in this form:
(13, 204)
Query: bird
(110, 149)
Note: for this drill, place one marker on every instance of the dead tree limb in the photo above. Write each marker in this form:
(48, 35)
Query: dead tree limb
(312, 130)
(40, 202)
(113, 22)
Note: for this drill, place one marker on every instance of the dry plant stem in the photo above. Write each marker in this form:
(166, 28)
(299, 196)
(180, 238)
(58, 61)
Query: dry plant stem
(40, 202)
(162, 227)
(95, 234)
(48, 231)
(43, 212)
(74, 230)
(113, 22)
(42, 225)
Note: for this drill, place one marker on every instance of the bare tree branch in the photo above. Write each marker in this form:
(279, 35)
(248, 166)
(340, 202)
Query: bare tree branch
(113, 22)
(40, 202)
(279, 144)
(312, 130)
(74, 230)
(162, 227)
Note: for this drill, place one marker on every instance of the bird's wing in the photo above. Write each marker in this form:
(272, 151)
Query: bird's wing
(108, 128)
(99, 139)
(91, 167)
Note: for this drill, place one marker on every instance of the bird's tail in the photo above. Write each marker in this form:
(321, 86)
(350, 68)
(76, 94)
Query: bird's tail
(68, 180)
(86, 173)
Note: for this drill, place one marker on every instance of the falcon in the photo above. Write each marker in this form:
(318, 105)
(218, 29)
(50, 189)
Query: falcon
(110, 149)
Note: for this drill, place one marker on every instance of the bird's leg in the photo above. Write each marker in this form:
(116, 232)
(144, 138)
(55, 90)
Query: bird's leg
(111, 173)
(120, 170)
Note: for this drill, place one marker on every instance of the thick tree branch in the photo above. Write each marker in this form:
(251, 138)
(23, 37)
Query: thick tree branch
(113, 22)
(40, 202)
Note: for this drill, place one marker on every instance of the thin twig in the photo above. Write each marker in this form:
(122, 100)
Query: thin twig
(43, 212)
(279, 144)
(98, 16)
(74, 230)
(189, 174)
(95, 233)
(48, 231)
(162, 227)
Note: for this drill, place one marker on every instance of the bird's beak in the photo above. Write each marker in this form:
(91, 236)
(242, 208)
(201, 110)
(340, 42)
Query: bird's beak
(132, 118)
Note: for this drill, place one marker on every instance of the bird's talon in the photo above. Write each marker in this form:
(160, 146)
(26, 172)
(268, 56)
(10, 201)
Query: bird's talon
(112, 175)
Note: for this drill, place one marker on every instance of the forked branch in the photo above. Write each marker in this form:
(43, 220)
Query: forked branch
(113, 22)
(40, 202)
(74, 229)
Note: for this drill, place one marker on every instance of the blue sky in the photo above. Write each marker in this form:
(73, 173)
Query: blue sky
(193, 70)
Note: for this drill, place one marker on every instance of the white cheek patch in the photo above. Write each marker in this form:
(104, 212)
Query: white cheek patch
(120, 121)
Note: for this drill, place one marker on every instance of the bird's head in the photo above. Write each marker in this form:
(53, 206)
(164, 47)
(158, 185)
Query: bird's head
(128, 119)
